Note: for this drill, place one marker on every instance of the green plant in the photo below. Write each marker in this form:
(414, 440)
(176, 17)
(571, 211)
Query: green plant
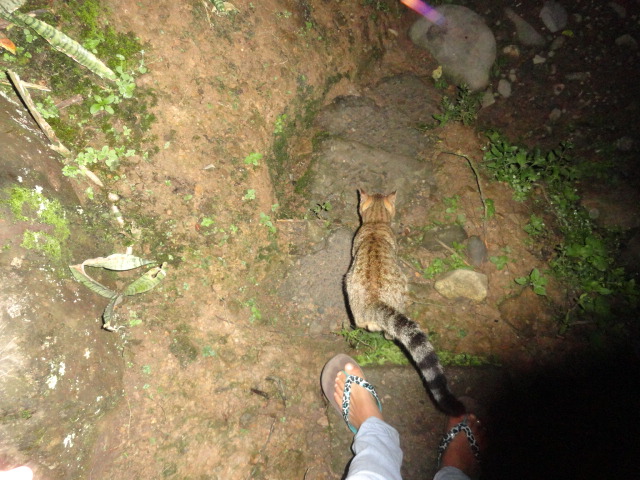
(281, 122)
(90, 156)
(48, 108)
(523, 169)
(208, 351)
(535, 280)
(499, 261)
(464, 108)
(321, 208)
(256, 314)
(253, 159)
(585, 259)
(535, 226)
(57, 39)
(441, 265)
(103, 104)
(464, 359)
(267, 222)
(373, 348)
(249, 195)
(32, 206)
(207, 222)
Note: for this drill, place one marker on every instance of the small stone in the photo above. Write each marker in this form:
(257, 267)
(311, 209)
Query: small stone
(554, 16)
(476, 251)
(537, 60)
(113, 197)
(463, 284)
(619, 9)
(488, 99)
(504, 88)
(511, 51)
(449, 234)
(557, 43)
(555, 114)
(627, 41)
(558, 88)
(526, 33)
(624, 144)
(578, 76)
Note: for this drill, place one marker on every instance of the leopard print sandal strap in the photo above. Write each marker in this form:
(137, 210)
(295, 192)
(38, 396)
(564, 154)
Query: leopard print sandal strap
(448, 437)
(346, 396)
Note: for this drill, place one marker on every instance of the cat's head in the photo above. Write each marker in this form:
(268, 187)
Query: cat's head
(377, 207)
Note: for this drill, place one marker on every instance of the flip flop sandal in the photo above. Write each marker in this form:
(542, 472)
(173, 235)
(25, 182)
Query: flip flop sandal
(448, 437)
(328, 378)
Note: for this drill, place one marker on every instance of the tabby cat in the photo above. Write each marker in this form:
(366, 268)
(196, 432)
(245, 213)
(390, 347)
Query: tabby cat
(376, 290)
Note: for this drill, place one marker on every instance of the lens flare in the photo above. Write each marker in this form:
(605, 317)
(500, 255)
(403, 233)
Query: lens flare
(425, 10)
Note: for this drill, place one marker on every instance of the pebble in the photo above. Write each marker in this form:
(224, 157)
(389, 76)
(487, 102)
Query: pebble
(488, 99)
(628, 41)
(554, 16)
(557, 43)
(526, 33)
(504, 88)
(476, 250)
(511, 51)
(463, 284)
(538, 59)
(619, 9)
(555, 114)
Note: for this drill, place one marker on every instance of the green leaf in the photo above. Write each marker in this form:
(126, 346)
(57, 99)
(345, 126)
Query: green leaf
(117, 261)
(539, 290)
(147, 281)
(79, 274)
(8, 6)
(107, 315)
(63, 43)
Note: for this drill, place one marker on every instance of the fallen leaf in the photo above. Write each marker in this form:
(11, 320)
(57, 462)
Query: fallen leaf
(8, 45)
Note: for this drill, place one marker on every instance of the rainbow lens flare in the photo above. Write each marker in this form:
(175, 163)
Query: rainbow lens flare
(425, 10)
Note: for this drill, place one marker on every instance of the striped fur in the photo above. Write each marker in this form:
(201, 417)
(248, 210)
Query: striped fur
(376, 288)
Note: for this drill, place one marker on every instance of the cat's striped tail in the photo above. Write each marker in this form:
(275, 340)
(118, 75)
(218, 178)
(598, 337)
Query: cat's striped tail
(416, 342)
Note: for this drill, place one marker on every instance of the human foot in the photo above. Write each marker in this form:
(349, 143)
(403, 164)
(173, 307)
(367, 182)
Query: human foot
(362, 404)
(349, 393)
(459, 449)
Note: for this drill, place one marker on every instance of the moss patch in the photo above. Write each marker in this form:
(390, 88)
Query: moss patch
(30, 205)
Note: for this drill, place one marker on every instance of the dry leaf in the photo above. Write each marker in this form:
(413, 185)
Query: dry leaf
(8, 45)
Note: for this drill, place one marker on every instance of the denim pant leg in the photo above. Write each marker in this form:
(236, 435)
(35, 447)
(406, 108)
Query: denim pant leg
(450, 473)
(378, 454)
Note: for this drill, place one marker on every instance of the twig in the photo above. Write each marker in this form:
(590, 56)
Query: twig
(56, 144)
(42, 123)
(452, 251)
(69, 101)
(480, 191)
(34, 86)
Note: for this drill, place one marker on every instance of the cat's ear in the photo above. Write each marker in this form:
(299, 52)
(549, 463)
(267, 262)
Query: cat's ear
(365, 200)
(392, 198)
(390, 203)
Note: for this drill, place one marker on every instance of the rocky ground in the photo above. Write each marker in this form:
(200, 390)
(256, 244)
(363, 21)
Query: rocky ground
(216, 371)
